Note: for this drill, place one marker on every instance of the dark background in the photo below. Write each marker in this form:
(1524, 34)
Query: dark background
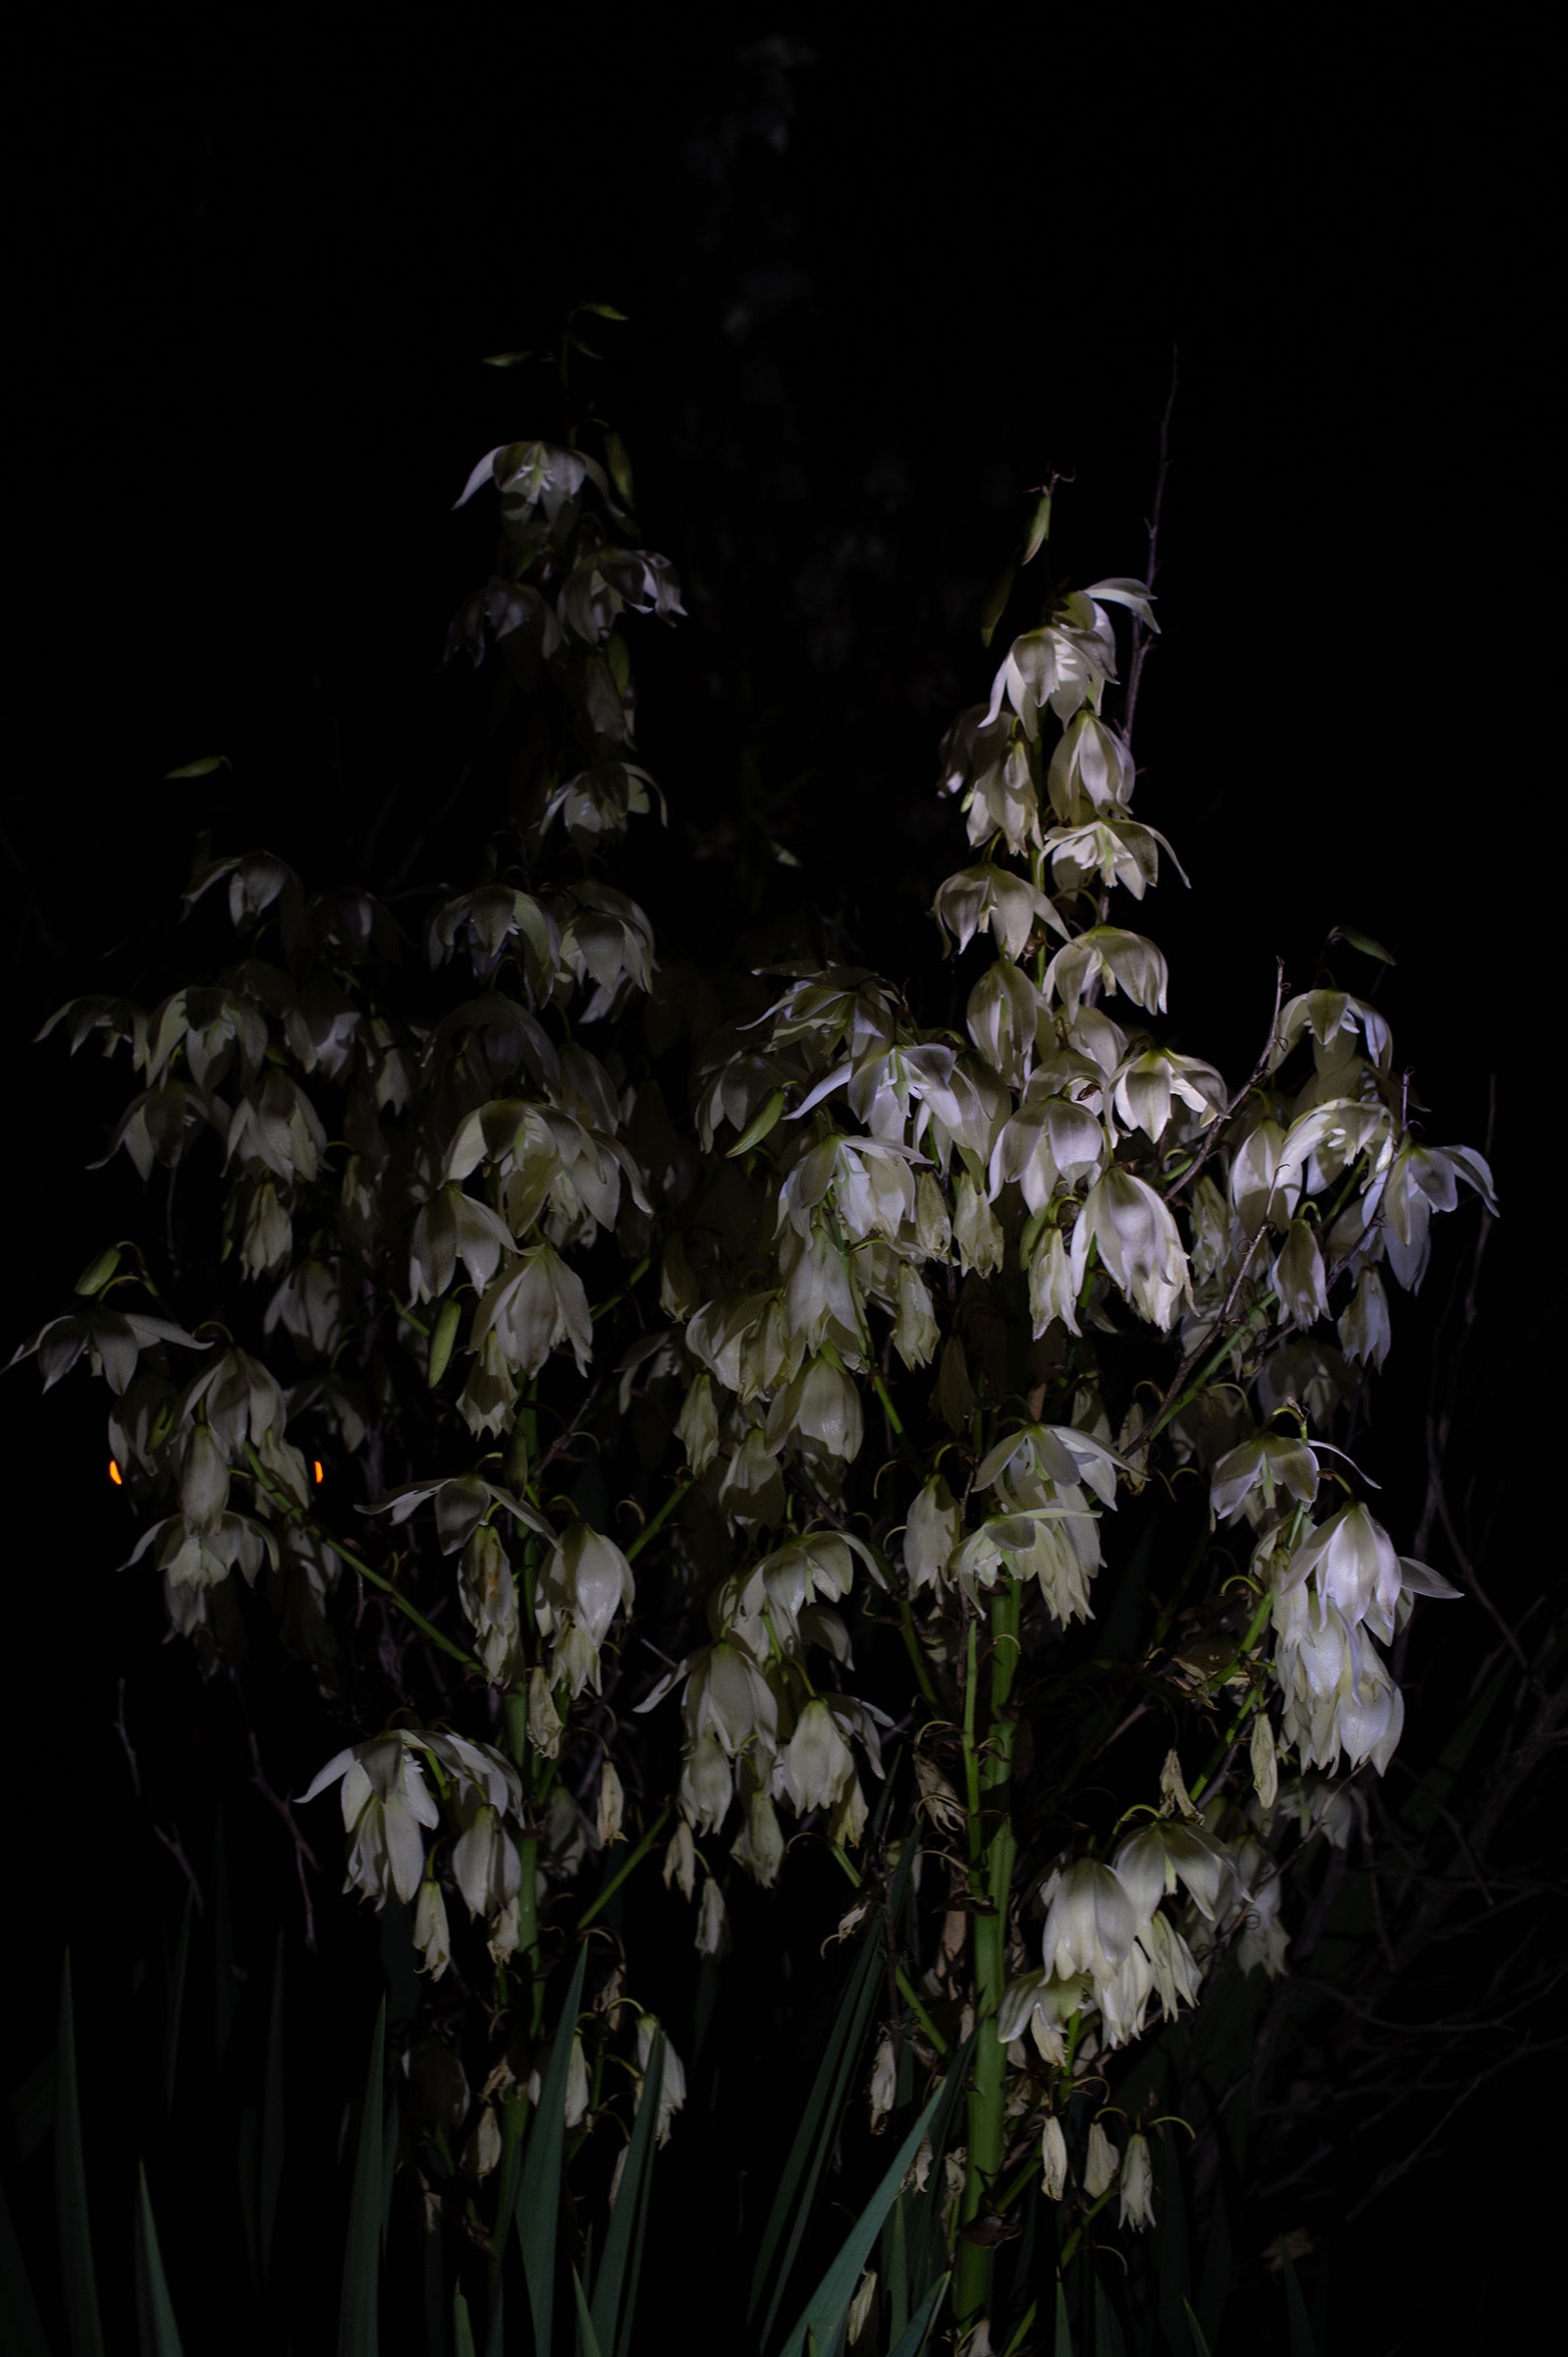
(878, 285)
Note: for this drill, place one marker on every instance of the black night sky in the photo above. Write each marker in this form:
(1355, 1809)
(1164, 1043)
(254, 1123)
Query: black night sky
(878, 284)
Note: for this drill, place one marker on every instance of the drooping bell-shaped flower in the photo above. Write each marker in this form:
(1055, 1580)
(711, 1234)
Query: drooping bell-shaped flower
(1090, 1923)
(1136, 2185)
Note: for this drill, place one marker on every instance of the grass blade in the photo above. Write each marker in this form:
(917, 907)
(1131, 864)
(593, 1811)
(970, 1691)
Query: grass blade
(272, 2116)
(514, 2119)
(23, 2325)
(926, 2251)
(462, 2330)
(539, 2188)
(814, 2137)
(82, 2321)
(160, 2334)
(819, 2122)
(912, 2340)
(1200, 2346)
(1063, 2347)
(32, 2106)
(611, 2284)
(587, 2338)
(829, 2305)
(358, 2323)
(1108, 2331)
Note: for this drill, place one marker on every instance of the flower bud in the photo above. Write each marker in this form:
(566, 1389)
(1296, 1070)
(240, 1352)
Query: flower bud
(544, 1720)
(430, 1934)
(1100, 2162)
(1053, 2157)
(883, 2085)
(712, 1923)
(610, 1802)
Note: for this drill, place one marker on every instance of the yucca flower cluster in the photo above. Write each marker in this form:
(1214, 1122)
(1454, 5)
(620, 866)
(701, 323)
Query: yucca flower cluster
(877, 1331)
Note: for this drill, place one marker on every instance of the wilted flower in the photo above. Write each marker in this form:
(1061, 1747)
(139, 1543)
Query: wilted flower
(611, 1800)
(482, 2147)
(680, 1860)
(883, 2085)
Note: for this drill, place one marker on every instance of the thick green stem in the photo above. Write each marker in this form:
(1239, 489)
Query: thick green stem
(994, 1846)
(527, 1852)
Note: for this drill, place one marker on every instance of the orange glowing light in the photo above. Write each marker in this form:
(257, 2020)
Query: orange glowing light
(115, 1475)
(320, 1476)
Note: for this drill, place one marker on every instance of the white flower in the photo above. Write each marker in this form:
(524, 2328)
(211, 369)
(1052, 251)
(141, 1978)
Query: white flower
(1053, 2157)
(1137, 2185)
(1100, 2162)
(1354, 1566)
(385, 1802)
(1151, 1860)
(712, 1923)
(1052, 1292)
(485, 1863)
(430, 1934)
(1138, 1244)
(1090, 1923)
(819, 1766)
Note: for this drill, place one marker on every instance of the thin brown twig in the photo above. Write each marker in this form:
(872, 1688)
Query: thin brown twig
(1217, 1127)
(120, 1729)
(303, 1855)
(1141, 632)
(172, 1844)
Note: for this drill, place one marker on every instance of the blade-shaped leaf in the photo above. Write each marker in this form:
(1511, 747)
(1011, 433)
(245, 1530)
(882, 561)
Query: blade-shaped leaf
(1200, 2346)
(819, 2122)
(1109, 2341)
(514, 2119)
(82, 2322)
(829, 2305)
(587, 2338)
(461, 2328)
(912, 2340)
(539, 2190)
(814, 2136)
(24, 2327)
(160, 2334)
(613, 2286)
(358, 2333)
